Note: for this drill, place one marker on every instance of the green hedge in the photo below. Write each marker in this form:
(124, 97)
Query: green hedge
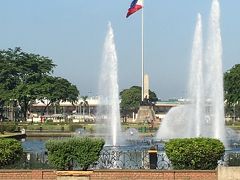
(194, 153)
(73, 127)
(8, 127)
(10, 151)
(68, 153)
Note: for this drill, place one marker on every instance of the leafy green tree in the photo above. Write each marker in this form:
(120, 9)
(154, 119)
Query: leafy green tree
(194, 153)
(19, 75)
(56, 89)
(84, 103)
(68, 153)
(25, 77)
(232, 90)
(131, 100)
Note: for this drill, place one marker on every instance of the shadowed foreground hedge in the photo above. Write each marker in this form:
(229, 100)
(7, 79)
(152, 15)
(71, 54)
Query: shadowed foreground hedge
(64, 154)
(10, 151)
(194, 153)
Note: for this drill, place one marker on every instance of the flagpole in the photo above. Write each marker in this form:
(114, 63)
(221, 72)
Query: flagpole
(142, 54)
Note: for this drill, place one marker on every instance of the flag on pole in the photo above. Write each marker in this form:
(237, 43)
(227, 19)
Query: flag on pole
(135, 6)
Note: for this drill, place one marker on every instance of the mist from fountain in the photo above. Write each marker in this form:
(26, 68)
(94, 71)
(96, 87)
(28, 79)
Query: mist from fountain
(108, 113)
(203, 113)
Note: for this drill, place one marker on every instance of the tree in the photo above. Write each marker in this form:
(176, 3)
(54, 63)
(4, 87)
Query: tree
(25, 77)
(131, 99)
(232, 90)
(19, 76)
(84, 104)
(56, 89)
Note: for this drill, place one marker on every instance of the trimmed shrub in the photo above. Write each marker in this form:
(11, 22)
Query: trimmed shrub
(10, 127)
(73, 127)
(194, 153)
(10, 151)
(68, 153)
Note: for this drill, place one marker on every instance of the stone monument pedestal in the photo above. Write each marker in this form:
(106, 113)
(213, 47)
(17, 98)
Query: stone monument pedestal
(145, 114)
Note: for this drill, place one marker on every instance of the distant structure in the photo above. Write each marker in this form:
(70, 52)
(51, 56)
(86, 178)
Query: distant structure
(146, 113)
(146, 86)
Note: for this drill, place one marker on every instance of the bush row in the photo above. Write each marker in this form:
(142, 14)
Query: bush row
(8, 127)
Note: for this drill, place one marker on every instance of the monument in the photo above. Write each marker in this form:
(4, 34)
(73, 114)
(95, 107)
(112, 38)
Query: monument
(146, 113)
(146, 86)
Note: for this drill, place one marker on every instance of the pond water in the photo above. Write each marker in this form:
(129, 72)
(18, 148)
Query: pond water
(36, 144)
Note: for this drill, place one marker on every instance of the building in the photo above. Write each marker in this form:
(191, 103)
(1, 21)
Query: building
(83, 111)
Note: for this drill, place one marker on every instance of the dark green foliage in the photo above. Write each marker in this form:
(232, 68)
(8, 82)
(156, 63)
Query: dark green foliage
(10, 151)
(1, 129)
(232, 91)
(194, 153)
(57, 89)
(19, 77)
(131, 99)
(64, 154)
(73, 127)
(25, 77)
(9, 127)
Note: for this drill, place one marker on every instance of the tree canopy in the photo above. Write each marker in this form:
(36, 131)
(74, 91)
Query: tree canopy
(56, 89)
(232, 90)
(25, 77)
(131, 99)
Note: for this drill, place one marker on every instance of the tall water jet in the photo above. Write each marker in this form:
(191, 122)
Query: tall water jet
(214, 74)
(203, 115)
(196, 87)
(185, 121)
(108, 113)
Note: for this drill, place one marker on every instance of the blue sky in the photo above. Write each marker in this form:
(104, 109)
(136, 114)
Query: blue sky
(72, 33)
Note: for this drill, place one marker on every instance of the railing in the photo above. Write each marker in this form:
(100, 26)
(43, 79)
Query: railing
(230, 158)
(120, 158)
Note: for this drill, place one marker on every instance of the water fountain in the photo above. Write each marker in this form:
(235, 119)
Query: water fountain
(214, 74)
(196, 92)
(178, 122)
(203, 113)
(122, 149)
(108, 113)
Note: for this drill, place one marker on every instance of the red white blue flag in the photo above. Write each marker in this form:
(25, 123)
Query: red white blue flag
(135, 6)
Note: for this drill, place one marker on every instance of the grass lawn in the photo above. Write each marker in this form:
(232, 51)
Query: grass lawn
(71, 127)
(235, 127)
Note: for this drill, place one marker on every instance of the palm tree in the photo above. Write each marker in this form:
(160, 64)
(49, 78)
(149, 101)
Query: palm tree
(84, 104)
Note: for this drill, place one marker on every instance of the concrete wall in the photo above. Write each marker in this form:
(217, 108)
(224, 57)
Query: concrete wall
(228, 173)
